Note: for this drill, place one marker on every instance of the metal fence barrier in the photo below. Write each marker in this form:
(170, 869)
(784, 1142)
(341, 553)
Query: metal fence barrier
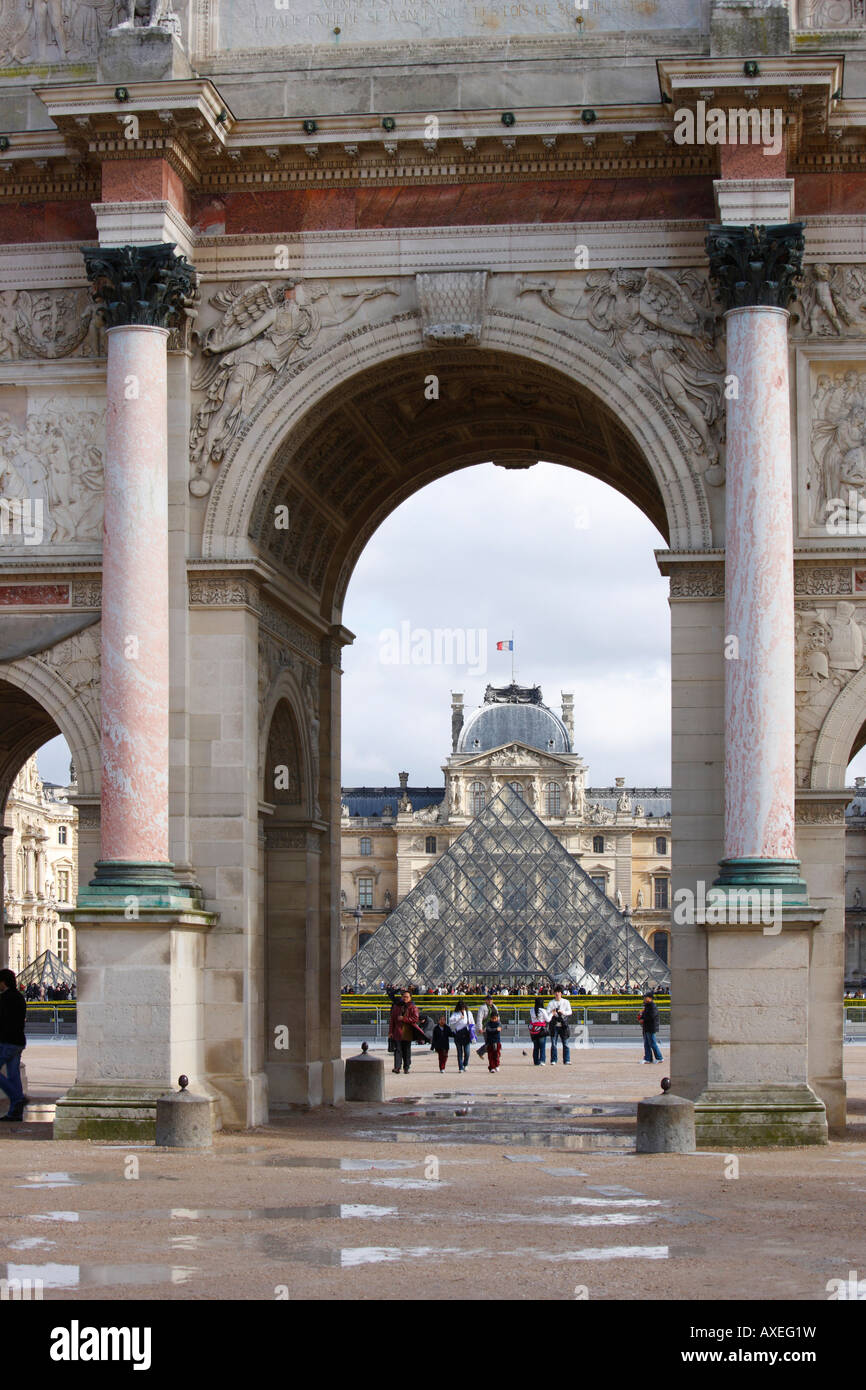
(50, 1020)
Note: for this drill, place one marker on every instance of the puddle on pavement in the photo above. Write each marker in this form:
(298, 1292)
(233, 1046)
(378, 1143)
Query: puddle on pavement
(352, 1257)
(347, 1211)
(600, 1201)
(348, 1165)
(613, 1190)
(523, 1158)
(31, 1243)
(64, 1179)
(564, 1172)
(57, 1276)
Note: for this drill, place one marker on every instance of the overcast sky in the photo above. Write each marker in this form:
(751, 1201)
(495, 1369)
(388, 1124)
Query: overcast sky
(557, 557)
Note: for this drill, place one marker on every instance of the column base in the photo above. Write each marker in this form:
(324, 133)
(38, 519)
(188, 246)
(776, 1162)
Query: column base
(773, 1116)
(768, 875)
(109, 1110)
(148, 884)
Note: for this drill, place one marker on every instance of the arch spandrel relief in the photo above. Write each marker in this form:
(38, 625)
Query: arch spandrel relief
(831, 652)
(270, 391)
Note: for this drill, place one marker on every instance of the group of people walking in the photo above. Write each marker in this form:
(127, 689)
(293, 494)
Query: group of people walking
(550, 1020)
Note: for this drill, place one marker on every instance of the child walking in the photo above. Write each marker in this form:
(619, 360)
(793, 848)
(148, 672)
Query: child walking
(493, 1039)
(440, 1044)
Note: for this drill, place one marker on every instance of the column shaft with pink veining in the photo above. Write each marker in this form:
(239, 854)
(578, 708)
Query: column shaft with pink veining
(759, 589)
(135, 672)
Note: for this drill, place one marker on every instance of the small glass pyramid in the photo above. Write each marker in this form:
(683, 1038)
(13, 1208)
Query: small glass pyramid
(508, 902)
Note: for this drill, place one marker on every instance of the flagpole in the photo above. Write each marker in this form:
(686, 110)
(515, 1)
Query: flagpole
(512, 656)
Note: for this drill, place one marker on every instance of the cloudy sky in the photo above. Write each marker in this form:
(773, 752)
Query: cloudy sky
(558, 558)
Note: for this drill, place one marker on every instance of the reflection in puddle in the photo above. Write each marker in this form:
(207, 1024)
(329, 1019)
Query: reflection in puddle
(64, 1179)
(349, 1165)
(57, 1276)
(612, 1190)
(32, 1243)
(399, 1184)
(352, 1257)
(523, 1158)
(601, 1201)
(348, 1211)
(565, 1172)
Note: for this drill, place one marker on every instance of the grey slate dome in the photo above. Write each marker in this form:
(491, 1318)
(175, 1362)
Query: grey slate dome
(513, 714)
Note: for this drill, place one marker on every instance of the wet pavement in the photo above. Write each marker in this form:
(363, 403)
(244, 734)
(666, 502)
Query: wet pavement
(444, 1194)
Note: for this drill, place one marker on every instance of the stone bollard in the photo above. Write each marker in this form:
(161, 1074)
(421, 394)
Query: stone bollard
(665, 1124)
(365, 1076)
(183, 1121)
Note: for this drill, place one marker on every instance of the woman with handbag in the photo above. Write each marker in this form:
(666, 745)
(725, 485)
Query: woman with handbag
(538, 1021)
(462, 1025)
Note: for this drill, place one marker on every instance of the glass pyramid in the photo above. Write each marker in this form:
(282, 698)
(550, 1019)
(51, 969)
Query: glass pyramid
(506, 902)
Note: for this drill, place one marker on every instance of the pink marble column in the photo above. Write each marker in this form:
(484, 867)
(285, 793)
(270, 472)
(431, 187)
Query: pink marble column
(135, 622)
(759, 591)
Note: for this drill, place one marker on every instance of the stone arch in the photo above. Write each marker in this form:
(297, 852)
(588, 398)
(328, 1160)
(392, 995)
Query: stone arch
(842, 734)
(303, 399)
(37, 705)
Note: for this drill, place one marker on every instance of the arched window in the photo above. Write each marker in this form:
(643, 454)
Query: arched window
(430, 844)
(661, 844)
(659, 943)
(598, 844)
(552, 798)
(366, 844)
(476, 798)
(516, 787)
(61, 834)
(63, 944)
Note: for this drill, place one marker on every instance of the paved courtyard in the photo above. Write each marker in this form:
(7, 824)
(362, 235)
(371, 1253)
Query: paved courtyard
(522, 1184)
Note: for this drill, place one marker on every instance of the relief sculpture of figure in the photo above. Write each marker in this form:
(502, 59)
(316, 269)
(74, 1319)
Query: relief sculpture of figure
(838, 442)
(262, 327)
(665, 330)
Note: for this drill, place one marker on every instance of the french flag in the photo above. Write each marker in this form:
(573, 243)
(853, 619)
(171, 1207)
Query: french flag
(505, 646)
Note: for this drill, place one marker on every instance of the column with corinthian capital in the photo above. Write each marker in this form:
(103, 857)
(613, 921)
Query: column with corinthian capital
(139, 930)
(760, 924)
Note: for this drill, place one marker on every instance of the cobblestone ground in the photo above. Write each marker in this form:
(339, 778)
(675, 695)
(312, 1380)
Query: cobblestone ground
(534, 1192)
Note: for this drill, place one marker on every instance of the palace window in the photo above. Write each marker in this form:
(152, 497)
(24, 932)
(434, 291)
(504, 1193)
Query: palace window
(365, 892)
(63, 944)
(661, 844)
(660, 893)
(552, 798)
(600, 881)
(659, 943)
(366, 844)
(598, 844)
(516, 787)
(61, 834)
(63, 886)
(476, 798)
(430, 844)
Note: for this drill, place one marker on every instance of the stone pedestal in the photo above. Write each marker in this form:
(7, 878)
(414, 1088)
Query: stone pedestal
(758, 1036)
(665, 1125)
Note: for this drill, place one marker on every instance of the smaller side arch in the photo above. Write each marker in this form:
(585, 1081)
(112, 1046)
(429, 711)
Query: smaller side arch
(286, 691)
(41, 705)
(841, 735)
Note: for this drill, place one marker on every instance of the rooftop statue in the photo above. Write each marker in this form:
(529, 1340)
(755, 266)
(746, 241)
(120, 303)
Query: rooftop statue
(512, 695)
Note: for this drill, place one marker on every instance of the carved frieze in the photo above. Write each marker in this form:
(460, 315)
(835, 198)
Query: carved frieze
(819, 813)
(698, 581)
(452, 304)
(262, 328)
(53, 467)
(831, 649)
(821, 579)
(55, 31)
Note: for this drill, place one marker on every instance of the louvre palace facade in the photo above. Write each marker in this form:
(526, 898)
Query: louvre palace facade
(265, 272)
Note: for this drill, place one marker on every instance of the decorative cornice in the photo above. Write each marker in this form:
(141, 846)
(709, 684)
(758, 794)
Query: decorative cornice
(141, 284)
(754, 266)
(817, 578)
(819, 812)
(697, 581)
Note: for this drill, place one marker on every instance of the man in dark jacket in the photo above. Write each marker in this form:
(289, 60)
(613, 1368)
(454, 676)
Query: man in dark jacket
(649, 1019)
(13, 1012)
(404, 1029)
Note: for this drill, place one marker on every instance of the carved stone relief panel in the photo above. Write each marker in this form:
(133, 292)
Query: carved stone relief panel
(49, 324)
(262, 330)
(831, 649)
(51, 471)
(662, 324)
(831, 302)
(67, 31)
(832, 446)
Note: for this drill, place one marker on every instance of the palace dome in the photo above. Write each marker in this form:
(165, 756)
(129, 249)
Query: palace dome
(513, 714)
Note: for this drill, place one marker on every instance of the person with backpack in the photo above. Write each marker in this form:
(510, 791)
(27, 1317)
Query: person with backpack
(649, 1022)
(538, 1021)
(462, 1026)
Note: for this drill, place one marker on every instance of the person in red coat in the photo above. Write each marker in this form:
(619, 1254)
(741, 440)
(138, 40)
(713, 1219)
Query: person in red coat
(404, 1028)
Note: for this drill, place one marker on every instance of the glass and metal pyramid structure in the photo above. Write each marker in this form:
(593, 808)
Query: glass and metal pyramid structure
(507, 902)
